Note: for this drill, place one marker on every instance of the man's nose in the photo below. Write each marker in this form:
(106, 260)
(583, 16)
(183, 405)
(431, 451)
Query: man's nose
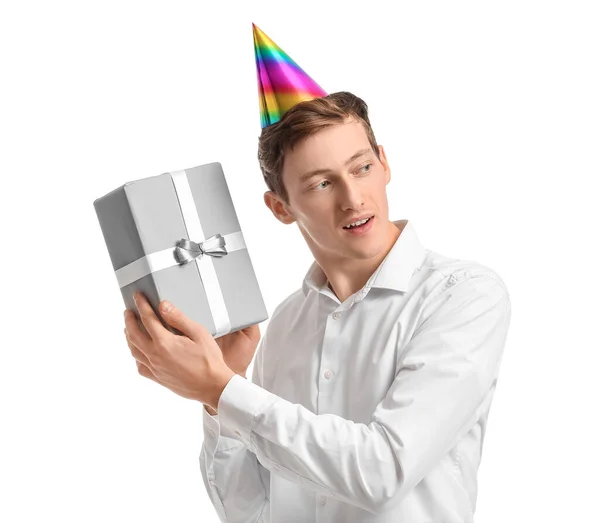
(351, 194)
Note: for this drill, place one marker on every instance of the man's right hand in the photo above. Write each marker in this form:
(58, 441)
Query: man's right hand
(238, 349)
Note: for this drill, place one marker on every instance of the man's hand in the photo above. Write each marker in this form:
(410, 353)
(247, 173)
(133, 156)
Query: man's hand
(191, 365)
(238, 348)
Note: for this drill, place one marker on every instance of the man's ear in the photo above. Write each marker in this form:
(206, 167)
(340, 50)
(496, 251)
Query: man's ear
(386, 167)
(278, 207)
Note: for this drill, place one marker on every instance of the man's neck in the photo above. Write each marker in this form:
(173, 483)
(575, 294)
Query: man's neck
(344, 279)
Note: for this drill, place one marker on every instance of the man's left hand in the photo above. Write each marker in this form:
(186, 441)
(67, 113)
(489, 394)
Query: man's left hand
(190, 365)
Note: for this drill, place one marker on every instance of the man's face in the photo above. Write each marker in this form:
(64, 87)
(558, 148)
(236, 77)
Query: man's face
(323, 203)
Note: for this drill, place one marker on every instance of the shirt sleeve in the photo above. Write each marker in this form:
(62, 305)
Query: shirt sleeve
(447, 370)
(237, 484)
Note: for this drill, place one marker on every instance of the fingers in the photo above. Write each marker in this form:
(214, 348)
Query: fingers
(135, 352)
(143, 365)
(145, 371)
(134, 333)
(150, 321)
(176, 318)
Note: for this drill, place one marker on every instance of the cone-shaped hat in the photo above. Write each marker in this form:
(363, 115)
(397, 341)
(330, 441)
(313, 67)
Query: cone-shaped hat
(281, 82)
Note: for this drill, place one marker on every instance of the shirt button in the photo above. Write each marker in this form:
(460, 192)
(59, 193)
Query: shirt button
(323, 500)
(327, 374)
(336, 315)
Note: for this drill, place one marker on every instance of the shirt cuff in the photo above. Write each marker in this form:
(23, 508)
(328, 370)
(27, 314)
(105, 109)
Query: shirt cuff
(239, 404)
(216, 436)
(210, 423)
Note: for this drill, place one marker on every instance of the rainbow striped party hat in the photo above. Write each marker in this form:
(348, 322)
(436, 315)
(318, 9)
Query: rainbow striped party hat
(281, 82)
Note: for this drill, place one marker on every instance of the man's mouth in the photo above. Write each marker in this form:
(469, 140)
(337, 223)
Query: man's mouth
(360, 227)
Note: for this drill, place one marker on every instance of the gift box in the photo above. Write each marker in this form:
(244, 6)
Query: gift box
(177, 237)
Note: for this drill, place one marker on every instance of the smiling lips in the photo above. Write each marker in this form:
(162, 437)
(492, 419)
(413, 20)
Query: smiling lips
(361, 229)
(359, 219)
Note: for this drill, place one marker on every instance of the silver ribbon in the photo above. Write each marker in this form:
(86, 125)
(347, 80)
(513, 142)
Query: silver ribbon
(186, 251)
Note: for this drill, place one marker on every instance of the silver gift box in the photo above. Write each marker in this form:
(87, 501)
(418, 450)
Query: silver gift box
(176, 237)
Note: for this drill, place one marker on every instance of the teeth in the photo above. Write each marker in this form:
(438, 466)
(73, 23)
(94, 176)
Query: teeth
(356, 223)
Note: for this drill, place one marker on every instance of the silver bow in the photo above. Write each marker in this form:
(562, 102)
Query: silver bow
(187, 250)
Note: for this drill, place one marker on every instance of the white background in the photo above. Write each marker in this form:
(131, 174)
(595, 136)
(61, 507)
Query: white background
(489, 114)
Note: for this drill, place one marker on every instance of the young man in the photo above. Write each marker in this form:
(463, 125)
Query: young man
(372, 385)
(382, 366)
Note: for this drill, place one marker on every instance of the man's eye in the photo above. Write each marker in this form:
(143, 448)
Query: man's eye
(325, 181)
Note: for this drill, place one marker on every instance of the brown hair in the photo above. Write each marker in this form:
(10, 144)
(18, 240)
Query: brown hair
(301, 121)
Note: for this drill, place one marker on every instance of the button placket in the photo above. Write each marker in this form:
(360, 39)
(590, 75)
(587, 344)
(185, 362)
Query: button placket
(328, 373)
(329, 353)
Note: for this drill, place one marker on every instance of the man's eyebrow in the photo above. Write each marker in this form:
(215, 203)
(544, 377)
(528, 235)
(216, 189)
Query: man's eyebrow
(316, 172)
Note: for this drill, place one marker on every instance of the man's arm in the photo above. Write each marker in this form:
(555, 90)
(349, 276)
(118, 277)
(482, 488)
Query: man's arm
(212, 411)
(228, 468)
(449, 368)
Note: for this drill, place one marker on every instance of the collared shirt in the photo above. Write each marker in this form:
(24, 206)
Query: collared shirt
(373, 409)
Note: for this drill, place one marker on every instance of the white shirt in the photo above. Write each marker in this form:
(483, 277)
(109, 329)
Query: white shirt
(371, 410)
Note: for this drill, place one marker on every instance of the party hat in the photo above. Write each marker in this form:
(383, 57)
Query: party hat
(282, 83)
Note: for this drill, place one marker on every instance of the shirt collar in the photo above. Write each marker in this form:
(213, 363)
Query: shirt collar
(394, 272)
